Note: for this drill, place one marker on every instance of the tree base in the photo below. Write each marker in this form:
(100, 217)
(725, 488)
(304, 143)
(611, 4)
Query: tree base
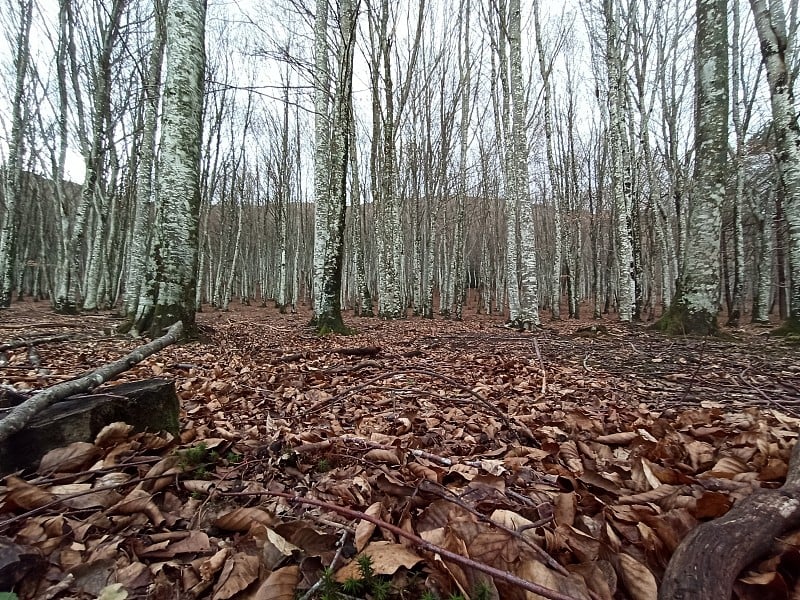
(679, 320)
(790, 328)
(711, 557)
(327, 324)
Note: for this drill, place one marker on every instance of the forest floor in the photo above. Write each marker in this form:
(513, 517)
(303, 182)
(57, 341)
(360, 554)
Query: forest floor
(573, 458)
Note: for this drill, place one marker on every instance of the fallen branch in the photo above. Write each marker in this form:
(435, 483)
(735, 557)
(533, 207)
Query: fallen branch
(34, 342)
(465, 561)
(22, 414)
(709, 559)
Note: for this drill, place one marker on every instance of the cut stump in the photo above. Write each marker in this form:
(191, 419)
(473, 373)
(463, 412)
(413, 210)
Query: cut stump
(149, 405)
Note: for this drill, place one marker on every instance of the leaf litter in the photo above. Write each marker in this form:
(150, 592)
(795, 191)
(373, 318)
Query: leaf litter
(575, 462)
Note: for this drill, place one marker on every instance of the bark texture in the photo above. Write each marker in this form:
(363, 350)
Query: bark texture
(696, 304)
(772, 33)
(178, 183)
(710, 558)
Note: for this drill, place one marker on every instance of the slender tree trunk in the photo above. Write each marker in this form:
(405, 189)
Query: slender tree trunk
(620, 173)
(13, 171)
(330, 208)
(138, 280)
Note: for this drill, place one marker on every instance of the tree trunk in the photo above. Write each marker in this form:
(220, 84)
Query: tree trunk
(771, 27)
(696, 304)
(13, 169)
(178, 184)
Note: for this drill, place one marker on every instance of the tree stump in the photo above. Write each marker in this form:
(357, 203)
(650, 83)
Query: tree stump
(149, 405)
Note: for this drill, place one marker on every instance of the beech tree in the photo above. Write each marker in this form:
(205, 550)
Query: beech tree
(174, 251)
(620, 163)
(333, 122)
(772, 33)
(696, 304)
(12, 180)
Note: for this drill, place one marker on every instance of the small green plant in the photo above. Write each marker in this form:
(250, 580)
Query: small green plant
(8, 596)
(194, 456)
(328, 589)
(368, 584)
(482, 591)
(198, 459)
(233, 458)
(323, 465)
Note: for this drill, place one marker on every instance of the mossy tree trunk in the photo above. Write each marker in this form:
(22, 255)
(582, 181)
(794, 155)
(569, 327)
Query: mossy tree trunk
(174, 252)
(695, 306)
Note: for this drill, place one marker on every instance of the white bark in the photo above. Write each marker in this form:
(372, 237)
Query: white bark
(322, 162)
(135, 279)
(13, 170)
(459, 235)
(329, 212)
(771, 26)
(544, 71)
(178, 184)
(699, 290)
(528, 282)
(620, 174)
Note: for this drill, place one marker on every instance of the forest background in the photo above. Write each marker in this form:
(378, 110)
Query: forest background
(538, 156)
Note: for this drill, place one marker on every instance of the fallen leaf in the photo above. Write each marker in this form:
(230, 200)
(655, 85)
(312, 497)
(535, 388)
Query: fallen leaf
(280, 585)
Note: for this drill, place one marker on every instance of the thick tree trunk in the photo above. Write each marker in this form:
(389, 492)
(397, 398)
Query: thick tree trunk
(175, 251)
(696, 304)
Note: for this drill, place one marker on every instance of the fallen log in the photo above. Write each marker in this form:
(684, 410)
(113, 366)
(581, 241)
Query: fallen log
(22, 414)
(708, 560)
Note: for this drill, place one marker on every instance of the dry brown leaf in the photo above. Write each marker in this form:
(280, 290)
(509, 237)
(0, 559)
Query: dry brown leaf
(701, 454)
(637, 578)
(74, 457)
(26, 496)
(599, 577)
(623, 437)
(364, 528)
(209, 567)
(387, 558)
(534, 571)
(655, 495)
(113, 434)
(239, 572)
(569, 454)
(565, 508)
(138, 501)
(422, 472)
(280, 585)
(241, 519)
(168, 467)
(383, 455)
(193, 542)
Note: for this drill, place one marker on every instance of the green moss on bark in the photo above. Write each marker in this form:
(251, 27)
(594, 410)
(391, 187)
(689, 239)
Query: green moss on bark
(681, 320)
(790, 328)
